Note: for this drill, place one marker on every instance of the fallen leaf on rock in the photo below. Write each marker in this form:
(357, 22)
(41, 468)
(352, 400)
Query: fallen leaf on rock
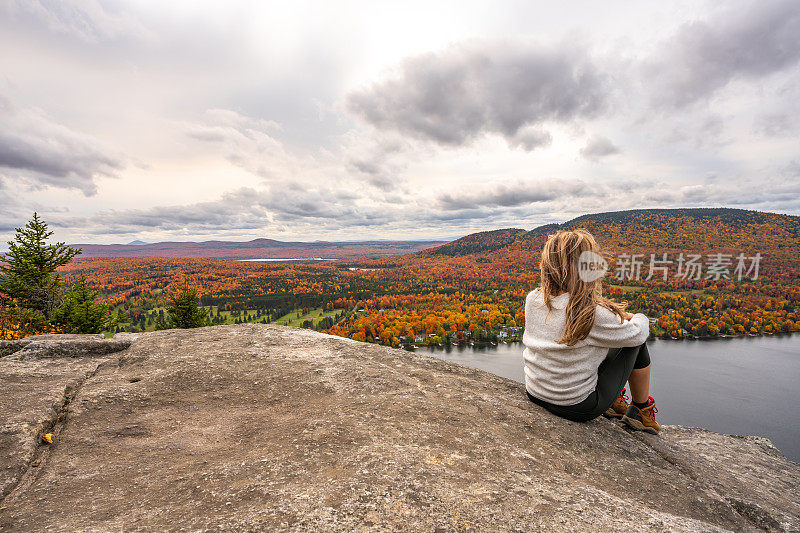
(48, 438)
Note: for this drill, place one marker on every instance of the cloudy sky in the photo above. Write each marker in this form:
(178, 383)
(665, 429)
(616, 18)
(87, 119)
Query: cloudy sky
(187, 120)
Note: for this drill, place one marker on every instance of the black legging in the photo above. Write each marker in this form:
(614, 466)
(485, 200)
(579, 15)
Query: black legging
(612, 374)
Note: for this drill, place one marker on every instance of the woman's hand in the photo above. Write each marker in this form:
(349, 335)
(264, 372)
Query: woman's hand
(626, 315)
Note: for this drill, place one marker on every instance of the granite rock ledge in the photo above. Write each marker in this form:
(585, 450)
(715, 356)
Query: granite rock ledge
(266, 427)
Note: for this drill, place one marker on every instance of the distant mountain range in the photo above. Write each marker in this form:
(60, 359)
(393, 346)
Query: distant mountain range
(256, 249)
(640, 229)
(649, 229)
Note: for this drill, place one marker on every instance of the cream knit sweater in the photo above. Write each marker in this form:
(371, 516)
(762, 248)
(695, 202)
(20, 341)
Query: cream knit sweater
(566, 375)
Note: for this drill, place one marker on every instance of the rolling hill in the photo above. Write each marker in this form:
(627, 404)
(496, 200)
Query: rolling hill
(481, 242)
(697, 229)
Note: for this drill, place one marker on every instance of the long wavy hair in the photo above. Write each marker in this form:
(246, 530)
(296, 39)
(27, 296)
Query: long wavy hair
(559, 274)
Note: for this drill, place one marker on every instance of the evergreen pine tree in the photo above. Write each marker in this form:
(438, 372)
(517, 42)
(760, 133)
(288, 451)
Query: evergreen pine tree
(161, 322)
(28, 276)
(80, 313)
(183, 311)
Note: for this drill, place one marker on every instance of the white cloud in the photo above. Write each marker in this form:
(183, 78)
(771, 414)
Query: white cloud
(245, 142)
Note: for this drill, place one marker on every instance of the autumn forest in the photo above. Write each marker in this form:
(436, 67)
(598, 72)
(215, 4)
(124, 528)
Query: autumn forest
(694, 272)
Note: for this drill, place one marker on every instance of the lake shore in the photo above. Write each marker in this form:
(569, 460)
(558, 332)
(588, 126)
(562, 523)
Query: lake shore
(727, 385)
(411, 347)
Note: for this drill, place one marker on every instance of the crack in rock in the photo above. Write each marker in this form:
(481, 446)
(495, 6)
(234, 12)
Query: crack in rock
(54, 424)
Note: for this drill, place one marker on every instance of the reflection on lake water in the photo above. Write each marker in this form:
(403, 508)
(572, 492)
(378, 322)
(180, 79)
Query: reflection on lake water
(738, 386)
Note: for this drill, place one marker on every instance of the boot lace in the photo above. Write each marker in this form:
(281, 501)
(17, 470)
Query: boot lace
(651, 401)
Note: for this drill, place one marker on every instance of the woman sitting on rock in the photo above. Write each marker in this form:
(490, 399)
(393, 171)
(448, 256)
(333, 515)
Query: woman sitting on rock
(580, 347)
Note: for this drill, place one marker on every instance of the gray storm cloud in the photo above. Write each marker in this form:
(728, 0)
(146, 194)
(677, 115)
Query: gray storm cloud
(703, 57)
(598, 147)
(36, 149)
(519, 193)
(467, 90)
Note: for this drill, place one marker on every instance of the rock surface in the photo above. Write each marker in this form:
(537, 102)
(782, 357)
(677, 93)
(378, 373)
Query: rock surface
(264, 427)
(59, 345)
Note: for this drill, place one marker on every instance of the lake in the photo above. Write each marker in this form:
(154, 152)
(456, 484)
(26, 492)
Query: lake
(737, 386)
(281, 259)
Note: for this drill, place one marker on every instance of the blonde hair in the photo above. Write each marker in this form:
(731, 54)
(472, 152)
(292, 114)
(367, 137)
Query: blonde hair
(559, 274)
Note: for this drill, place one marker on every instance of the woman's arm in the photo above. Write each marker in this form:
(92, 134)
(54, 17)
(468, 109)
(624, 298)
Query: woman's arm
(609, 331)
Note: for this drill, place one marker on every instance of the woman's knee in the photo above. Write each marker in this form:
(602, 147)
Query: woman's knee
(642, 358)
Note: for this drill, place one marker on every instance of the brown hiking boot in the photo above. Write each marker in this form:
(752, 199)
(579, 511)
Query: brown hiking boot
(642, 419)
(619, 407)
